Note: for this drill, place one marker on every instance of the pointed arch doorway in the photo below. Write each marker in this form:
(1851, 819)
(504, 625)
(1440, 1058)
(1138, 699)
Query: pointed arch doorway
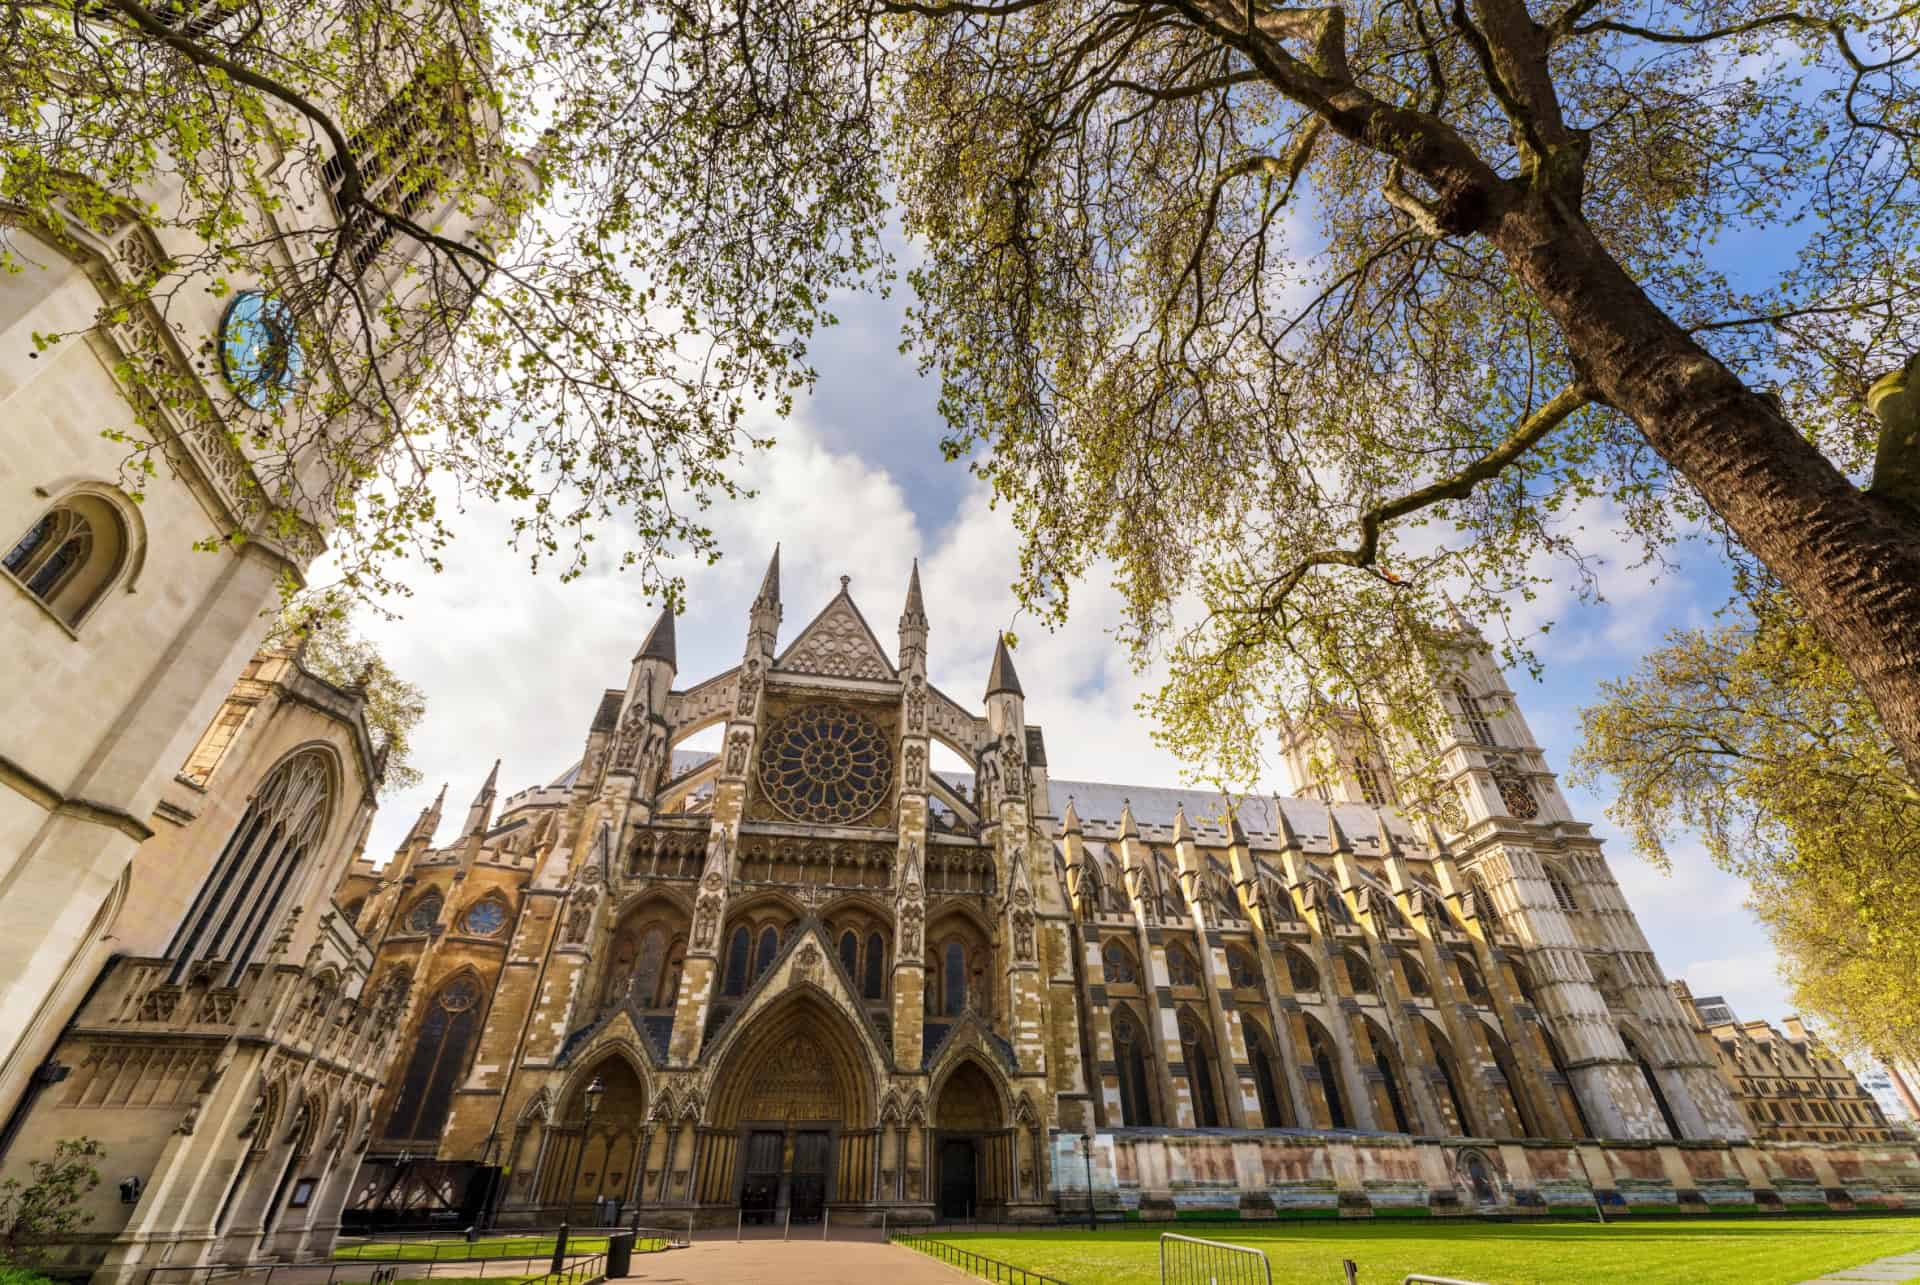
(796, 1107)
(973, 1147)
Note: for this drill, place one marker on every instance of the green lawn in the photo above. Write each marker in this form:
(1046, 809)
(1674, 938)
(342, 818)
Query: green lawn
(456, 1248)
(1746, 1251)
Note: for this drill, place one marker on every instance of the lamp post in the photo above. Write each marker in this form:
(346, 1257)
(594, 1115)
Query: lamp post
(1086, 1153)
(591, 1096)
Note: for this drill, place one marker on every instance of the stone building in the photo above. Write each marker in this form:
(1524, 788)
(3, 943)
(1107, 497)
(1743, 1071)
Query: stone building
(1791, 1086)
(124, 623)
(227, 1052)
(810, 969)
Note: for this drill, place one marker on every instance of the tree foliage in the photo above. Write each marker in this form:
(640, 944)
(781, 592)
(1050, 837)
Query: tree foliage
(1754, 736)
(330, 649)
(48, 1205)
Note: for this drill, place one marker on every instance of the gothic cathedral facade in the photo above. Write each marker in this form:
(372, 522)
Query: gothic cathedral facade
(809, 971)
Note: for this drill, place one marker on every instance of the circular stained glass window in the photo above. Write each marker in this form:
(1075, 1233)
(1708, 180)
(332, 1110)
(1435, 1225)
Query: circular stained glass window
(486, 918)
(825, 764)
(425, 913)
(260, 350)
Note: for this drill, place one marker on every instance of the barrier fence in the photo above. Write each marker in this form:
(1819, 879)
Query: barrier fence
(992, 1269)
(1188, 1260)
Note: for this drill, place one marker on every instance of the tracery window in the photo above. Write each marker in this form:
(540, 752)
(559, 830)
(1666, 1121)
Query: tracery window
(953, 968)
(1483, 907)
(68, 558)
(1181, 968)
(763, 953)
(1266, 1078)
(1301, 972)
(485, 918)
(874, 984)
(1516, 792)
(1372, 790)
(850, 952)
(737, 948)
(286, 817)
(1117, 964)
(1241, 971)
(1359, 976)
(425, 913)
(1562, 894)
(1323, 1062)
(647, 967)
(1196, 1052)
(1470, 979)
(1130, 1052)
(1476, 716)
(1416, 976)
(439, 1056)
(825, 764)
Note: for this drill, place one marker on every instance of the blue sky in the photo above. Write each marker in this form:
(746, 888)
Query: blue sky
(512, 665)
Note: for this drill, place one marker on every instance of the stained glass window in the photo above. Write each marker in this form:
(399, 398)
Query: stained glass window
(825, 764)
(1240, 970)
(850, 952)
(51, 557)
(1129, 1047)
(439, 1055)
(646, 973)
(1118, 964)
(954, 966)
(875, 986)
(1302, 973)
(486, 918)
(737, 947)
(425, 913)
(763, 954)
(1199, 1060)
(1181, 969)
(1359, 974)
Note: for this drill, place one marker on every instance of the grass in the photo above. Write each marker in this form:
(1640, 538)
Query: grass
(1749, 1251)
(456, 1249)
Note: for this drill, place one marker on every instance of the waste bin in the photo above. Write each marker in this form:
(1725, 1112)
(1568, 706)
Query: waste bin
(619, 1255)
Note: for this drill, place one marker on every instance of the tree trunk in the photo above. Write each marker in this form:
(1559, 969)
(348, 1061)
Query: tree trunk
(1850, 559)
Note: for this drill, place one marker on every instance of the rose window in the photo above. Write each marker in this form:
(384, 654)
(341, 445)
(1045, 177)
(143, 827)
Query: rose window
(825, 764)
(1517, 795)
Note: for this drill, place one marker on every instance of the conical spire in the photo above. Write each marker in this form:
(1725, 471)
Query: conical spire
(429, 819)
(1129, 828)
(1070, 819)
(1181, 832)
(660, 643)
(915, 607)
(1002, 678)
(483, 802)
(1388, 843)
(769, 595)
(1235, 831)
(1435, 841)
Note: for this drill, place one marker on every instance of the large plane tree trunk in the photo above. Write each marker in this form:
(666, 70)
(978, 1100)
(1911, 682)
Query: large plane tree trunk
(1850, 558)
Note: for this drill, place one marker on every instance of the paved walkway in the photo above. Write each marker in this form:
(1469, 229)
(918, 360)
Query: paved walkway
(792, 1263)
(1894, 1267)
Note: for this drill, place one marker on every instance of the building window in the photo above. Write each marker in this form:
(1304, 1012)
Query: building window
(1118, 965)
(1130, 1052)
(402, 153)
(425, 913)
(1483, 908)
(1181, 968)
(1194, 1051)
(1470, 980)
(874, 985)
(1562, 894)
(485, 918)
(736, 983)
(1329, 1078)
(1372, 790)
(850, 952)
(953, 978)
(70, 556)
(763, 953)
(1240, 970)
(1301, 973)
(1358, 974)
(1416, 978)
(647, 967)
(1476, 716)
(285, 819)
(1266, 1080)
(439, 1056)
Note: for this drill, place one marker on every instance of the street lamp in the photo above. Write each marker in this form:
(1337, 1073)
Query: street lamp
(596, 1087)
(1086, 1153)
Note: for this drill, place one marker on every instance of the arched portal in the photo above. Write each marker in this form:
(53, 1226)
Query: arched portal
(974, 1150)
(795, 1095)
(594, 1164)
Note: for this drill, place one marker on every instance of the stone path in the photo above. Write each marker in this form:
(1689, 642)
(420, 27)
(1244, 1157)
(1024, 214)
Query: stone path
(792, 1263)
(1881, 1271)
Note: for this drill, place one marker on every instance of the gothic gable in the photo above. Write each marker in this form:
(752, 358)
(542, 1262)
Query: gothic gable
(837, 644)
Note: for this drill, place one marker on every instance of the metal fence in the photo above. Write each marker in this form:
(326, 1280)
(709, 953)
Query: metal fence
(531, 1258)
(1419, 1279)
(1188, 1260)
(980, 1265)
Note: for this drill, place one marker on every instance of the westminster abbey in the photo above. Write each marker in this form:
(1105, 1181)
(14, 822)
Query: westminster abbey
(810, 970)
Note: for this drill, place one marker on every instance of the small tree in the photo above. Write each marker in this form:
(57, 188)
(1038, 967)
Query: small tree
(48, 1207)
(333, 651)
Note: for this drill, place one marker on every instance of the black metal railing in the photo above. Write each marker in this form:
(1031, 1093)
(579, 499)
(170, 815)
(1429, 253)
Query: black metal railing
(385, 1271)
(992, 1269)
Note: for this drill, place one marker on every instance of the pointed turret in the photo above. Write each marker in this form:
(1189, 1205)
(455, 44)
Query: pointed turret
(913, 623)
(428, 821)
(1129, 828)
(482, 808)
(659, 644)
(1182, 833)
(763, 627)
(1070, 819)
(1001, 680)
(1236, 833)
(1335, 835)
(1289, 840)
(1388, 843)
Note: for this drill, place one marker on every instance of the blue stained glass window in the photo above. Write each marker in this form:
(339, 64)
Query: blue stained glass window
(486, 918)
(259, 349)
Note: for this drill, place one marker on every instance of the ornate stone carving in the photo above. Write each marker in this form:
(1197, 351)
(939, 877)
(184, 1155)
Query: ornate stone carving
(916, 704)
(750, 680)
(580, 916)
(913, 761)
(837, 645)
(1516, 794)
(806, 963)
(626, 748)
(706, 919)
(910, 917)
(738, 742)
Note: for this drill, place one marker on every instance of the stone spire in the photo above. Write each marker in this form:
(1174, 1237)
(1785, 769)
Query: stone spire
(763, 628)
(1129, 828)
(1181, 832)
(913, 622)
(1070, 819)
(660, 643)
(1001, 680)
(1389, 845)
(1335, 835)
(1289, 841)
(482, 808)
(428, 822)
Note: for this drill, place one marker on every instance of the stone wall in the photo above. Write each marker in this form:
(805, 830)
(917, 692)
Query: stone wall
(1166, 1174)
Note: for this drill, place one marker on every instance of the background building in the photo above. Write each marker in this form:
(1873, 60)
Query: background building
(1791, 1086)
